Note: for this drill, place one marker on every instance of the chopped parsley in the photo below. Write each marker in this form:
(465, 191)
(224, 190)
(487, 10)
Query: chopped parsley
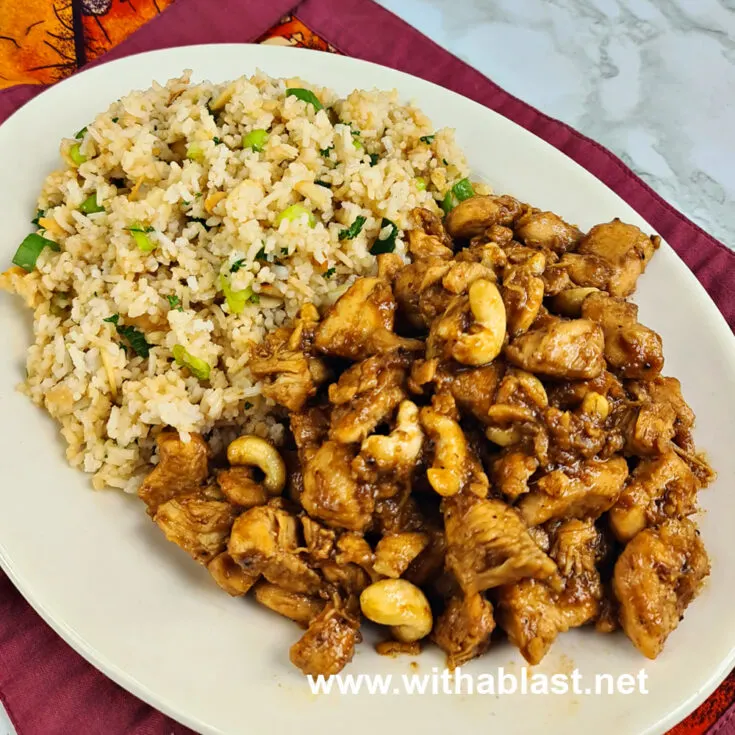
(39, 213)
(353, 230)
(248, 405)
(235, 267)
(385, 244)
(325, 184)
(374, 158)
(202, 221)
(136, 339)
(260, 255)
(325, 151)
(115, 119)
(329, 272)
(305, 95)
(174, 302)
(428, 139)
(216, 140)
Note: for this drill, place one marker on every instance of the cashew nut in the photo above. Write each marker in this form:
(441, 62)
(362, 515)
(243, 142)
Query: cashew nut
(253, 451)
(595, 404)
(447, 473)
(569, 302)
(503, 437)
(486, 305)
(402, 445)
(399, 604)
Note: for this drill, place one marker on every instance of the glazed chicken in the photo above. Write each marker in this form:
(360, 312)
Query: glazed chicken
(481, 441)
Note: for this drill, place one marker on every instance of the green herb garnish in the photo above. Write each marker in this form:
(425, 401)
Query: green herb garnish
(325, 184)
(235, 267)
(260, 255)
(385, 244)
(28, 251)
(202, 221)
(39, 213)
(134, 336)
(305, 95)
(329, 272)
(449, 202)
(139, 233)
(295, 212)
(374, 158)
(174, 302)
(76, 156)
(216, 140)
(80, 133)
(463, 189)
(198, 368)
(353, 230)
(428, 139)
(325, 151)
(420, 182)
(248, 405)
(115, 119)
(90, 206)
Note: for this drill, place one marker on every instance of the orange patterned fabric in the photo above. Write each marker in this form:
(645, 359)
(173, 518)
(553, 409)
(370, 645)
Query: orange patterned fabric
(43, 41)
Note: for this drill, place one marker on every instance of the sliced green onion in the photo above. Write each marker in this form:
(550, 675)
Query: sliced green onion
(305, 95)
(255, 139)
(374, 158)
(80, 133)
(295, 212)
(428, 139)
(39, 213)
(358, 146)
(449, 202)
(194, 152)
(353, 230)
(198, 368)
(77, 157)
(202, 221)
(329, 272)
(325, 151)
(134, 336)
(385, 244)
(463, 190)
(248, 405)
(90, 206)
(236, 300)
(139, 233)
(174, 302)
(325, 184)
(115, 119)
(260, 255)
(420, 183)
(235, 267)
(28, 251)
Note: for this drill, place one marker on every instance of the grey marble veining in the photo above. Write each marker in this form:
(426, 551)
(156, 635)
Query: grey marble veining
(652, 80)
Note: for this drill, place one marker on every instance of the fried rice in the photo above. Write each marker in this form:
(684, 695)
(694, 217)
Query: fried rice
(179, 249)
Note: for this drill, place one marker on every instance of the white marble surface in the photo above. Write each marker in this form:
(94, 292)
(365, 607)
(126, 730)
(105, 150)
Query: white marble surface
(653, 80)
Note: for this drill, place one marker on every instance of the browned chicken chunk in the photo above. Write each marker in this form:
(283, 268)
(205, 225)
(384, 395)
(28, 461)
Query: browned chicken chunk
(475, 215)
(463, 630)
(239, 487)
(361, 323)
(488, 545)
(293, 605)
(631, 350)
(547, 230)
(395, 552)
(560, 349)
(332, 493)
(656, 577)
(181, 469)
(611, 257)
(660, 488)
(230, 576)
(428, 238)
(196, 524)
(328, 645)
(585, 491)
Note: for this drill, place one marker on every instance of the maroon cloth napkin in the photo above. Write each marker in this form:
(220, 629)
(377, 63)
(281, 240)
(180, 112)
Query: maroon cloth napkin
(46, 687)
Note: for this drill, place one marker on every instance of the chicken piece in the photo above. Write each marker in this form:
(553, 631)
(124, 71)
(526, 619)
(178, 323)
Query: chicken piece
(547, 230)
(429, 564)
(331, 492)
(309, 429)
(463, 630)
(631, 350)
(488, 545)
(533, 614)
(473, 216)
(264, 540)
(656, 576)
(320, 541)
(611, 257)
(239, 487)
(490, 254)
(230, 576)
(585, 491)
(393, 457)
(389, 265)
(397, 648)
(290, 375)
(473, 389)
(570, 394)
(395, 552)
(354, 549)
(523, 292)
(196, 524)
(660, 488)
(563, 348)
(662, 415)
(360, 323)
(349, 579)
(182, 468)
(366, 395)
(454, 467)
(428, 238)
(397, 514)
(511, 473)
(328, 644)
(556, 279)
(419, 291)
(302, 609)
